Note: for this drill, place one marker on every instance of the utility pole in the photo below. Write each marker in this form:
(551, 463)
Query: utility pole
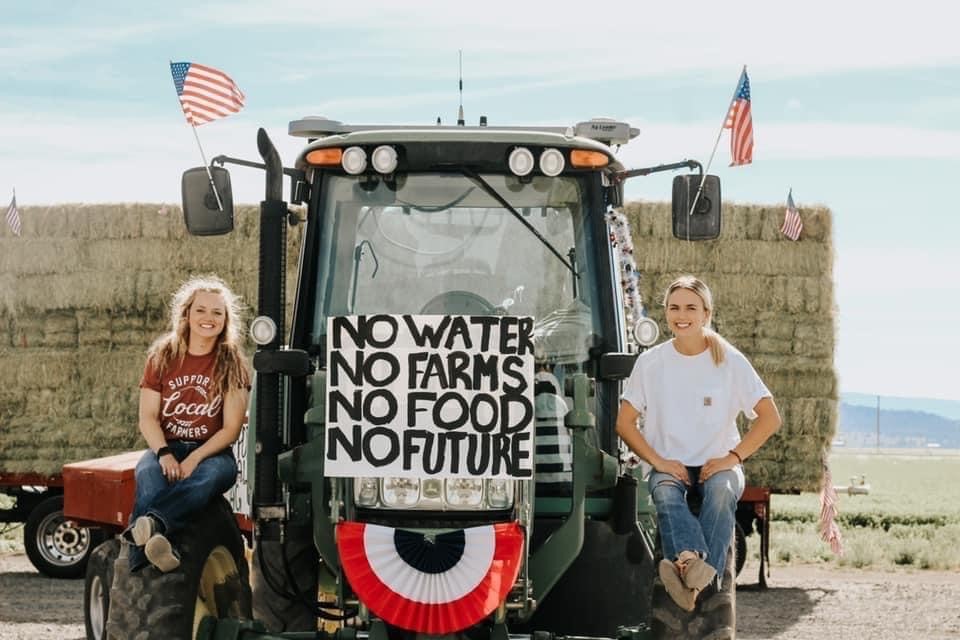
(878, 424)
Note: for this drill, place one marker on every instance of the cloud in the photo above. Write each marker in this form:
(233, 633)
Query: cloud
(629, 38)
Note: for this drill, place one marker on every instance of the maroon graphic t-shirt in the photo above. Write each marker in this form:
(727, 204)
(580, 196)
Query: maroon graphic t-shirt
(188, 409)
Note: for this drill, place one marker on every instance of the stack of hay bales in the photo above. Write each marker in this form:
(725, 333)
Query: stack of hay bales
(83, 293)
(85, 290)
(774, 301)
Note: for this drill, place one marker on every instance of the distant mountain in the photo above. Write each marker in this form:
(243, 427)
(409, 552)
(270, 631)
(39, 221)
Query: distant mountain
(903, 422)
(946, 408)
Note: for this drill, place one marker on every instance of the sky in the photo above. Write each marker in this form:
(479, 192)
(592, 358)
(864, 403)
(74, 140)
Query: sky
(855, 106)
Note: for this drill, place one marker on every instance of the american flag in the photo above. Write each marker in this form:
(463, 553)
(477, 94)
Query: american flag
(792, 224)
(740, 123)
(13, 216)
(829, 531)
(206, 94)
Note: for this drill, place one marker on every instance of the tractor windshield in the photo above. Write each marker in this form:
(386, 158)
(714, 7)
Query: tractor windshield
(439, 243)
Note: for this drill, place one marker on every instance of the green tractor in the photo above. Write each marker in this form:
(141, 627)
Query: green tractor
(431, 448)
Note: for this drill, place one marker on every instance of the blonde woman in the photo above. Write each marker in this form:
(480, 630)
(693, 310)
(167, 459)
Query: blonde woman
(689, 392)
(193, 398)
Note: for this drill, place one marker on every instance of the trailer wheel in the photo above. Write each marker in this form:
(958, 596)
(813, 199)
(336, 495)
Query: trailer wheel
(277, 611)
(56, 546)
(212, 580)
(741, 541)
(96, 588)
(715, 617)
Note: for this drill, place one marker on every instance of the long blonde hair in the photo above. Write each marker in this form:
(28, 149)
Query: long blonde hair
(230, 365)
(718, 346)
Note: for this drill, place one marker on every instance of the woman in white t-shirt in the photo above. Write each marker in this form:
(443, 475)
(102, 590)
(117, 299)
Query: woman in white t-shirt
(688, 392)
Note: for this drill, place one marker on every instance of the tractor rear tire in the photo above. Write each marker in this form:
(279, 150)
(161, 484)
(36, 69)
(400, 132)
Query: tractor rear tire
(212, 580)
(96, 588)
(715, 617)
(279, 611)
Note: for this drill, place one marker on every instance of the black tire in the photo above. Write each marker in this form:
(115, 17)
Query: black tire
(58, 547)
(277, 611)
(212, 579)
(715, 617)
(96, 588)
(741, 541)
(603, 589)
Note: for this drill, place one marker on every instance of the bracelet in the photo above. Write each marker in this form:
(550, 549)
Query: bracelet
(737, 456)
(162, 451)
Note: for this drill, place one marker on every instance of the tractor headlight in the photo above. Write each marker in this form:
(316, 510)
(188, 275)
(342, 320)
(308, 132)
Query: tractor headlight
(366, 491)
(499, 493)
(464, 493)
(646, 331)
(434, 494)
(263, 330)
(400, 492)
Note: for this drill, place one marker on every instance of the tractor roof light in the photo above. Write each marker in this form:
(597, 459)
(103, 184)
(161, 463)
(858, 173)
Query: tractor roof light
(384, 159)
(521, 161)
(354, 160)
(552, 162)
(326, 157)
(263, 330)
(585, 159)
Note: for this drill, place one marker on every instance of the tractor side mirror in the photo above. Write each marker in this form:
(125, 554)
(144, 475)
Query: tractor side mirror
(200, 211)
(704, 222)
(616, 366)
(291, 362)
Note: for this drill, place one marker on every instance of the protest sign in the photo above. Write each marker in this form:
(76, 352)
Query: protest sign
(429, 396)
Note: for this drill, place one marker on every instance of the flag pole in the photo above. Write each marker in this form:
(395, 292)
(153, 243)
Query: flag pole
(726, 115)
(203, 156)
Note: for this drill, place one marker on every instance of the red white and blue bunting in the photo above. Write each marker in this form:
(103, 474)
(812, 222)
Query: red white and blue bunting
(431, 584)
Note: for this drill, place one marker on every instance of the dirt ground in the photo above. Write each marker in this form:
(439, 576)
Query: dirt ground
(799, 603)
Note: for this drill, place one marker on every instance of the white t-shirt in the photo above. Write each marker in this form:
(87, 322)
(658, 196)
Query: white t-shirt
(689, 406)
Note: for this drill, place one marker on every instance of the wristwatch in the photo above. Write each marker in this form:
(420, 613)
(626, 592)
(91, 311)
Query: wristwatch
(162, 451)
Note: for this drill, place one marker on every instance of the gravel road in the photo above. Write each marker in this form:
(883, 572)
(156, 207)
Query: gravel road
(800, 603)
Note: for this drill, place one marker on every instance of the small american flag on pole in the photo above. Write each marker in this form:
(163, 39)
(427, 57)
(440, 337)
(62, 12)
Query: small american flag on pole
(206, 94)
(829, 531)
(740, 123)
(13, 216)
(792, 224)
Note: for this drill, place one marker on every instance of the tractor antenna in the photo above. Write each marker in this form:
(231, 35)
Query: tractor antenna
(460, 120)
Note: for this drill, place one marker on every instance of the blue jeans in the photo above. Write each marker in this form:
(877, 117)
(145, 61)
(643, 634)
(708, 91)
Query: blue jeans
(173, 503)
(709, 534)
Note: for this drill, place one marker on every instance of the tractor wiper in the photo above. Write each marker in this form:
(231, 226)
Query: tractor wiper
(516, 214)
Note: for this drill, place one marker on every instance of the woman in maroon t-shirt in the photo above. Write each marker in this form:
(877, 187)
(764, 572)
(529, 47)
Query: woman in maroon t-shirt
(193, 398)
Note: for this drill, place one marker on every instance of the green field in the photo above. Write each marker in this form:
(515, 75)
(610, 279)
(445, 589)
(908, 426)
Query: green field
(911, 517)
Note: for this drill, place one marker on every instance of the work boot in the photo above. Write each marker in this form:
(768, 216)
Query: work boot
(685, 597)
(142, 529)
(161, 554)
(696, 573)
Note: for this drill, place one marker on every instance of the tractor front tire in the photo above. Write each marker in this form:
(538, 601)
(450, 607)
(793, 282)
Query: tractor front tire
(715, 617)
(96, 588)
(212, 580)
(282, 611)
